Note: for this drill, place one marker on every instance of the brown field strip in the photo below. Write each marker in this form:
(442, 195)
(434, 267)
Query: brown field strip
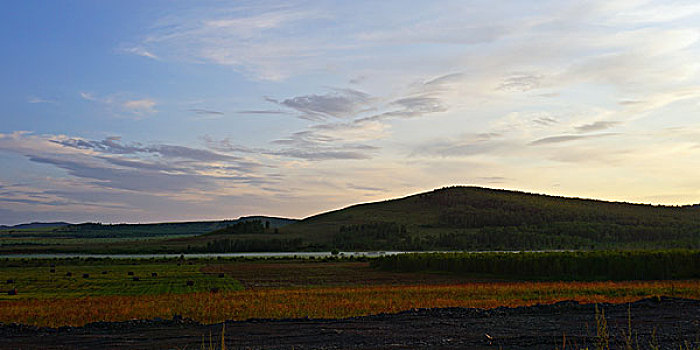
(328, 302)
(295, 273)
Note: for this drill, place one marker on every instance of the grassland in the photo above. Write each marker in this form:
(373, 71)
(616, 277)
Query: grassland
(275, 289)
(327, 302)
(98, 278)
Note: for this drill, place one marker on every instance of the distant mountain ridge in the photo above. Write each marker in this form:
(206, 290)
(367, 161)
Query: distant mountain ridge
(162, 229)
(94, 230)
(34, 225)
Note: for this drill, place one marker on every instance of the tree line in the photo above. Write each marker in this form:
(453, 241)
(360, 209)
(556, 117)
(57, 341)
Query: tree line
(590, 265)
(228, 245)
(246, 227)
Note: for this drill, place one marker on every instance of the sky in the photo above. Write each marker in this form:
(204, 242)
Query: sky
(146, 111)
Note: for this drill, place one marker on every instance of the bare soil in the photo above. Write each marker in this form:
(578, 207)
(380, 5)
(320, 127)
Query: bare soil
(671, 323)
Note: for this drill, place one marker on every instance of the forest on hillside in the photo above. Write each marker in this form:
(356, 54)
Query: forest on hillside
(447, 219)
(471, 218)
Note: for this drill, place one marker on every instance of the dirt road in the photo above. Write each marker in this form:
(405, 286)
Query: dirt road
(669, 322)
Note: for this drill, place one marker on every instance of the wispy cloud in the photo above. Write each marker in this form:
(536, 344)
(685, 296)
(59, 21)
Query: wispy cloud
(140, 51)
(158, 169)
(260, 43)
(311, 145)
(493, 179)
(24, 196)
(448, 29)
(597, 126)
(652, 12)
(36, 100)
(567, 138)
(339, 141)
(446, 78)
(202, 111)
(262, 111)
(339, 103)
(140, 106)
(545, 120)
(143, 179)
(464, 146)
(409, 107)
(356, 130)
(112, 145)
(520, 82)
(88, 96)
(359, 187)
(228, 146)
(121, 105)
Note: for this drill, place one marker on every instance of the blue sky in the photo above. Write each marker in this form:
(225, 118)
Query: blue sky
(141, 111)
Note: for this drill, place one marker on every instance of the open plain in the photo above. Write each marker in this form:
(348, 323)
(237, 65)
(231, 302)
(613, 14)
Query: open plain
(324, 303)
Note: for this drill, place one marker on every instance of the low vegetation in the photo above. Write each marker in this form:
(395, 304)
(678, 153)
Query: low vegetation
(593, 265)
(99, 277)
(330, 302)
(213, 291)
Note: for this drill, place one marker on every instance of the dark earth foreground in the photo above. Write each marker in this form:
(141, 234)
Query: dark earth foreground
(669, 322)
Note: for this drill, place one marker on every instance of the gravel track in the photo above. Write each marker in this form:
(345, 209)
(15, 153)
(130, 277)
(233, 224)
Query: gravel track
(675, 323)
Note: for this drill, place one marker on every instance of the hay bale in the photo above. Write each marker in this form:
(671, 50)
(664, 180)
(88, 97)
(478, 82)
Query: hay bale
(12, 291)
(136, 278)
(10, 281)
(130, 273)
(68, 274)
(190, 283)
(221, 275)
(104, 272)
(52, 270)
(86, 275)
(154, 274)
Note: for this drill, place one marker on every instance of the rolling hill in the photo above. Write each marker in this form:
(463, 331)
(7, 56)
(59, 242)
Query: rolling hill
(161, 229)
(115, 238)
(34, 225)
(450, 218)
(474, 218)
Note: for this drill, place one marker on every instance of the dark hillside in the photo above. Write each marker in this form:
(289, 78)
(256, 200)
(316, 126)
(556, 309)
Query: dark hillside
(172, 237)
(476, 218)
(159, 229)
(453, 218)
(164, 229)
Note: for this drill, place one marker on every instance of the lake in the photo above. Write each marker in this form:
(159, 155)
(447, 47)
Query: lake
(238, 255)
(199, 255)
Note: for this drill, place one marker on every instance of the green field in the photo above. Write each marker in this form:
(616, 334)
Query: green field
(109, 279)
(272, 288)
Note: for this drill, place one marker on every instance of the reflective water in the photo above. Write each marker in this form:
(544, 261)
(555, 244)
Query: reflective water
(234, 255)
(199, 255)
